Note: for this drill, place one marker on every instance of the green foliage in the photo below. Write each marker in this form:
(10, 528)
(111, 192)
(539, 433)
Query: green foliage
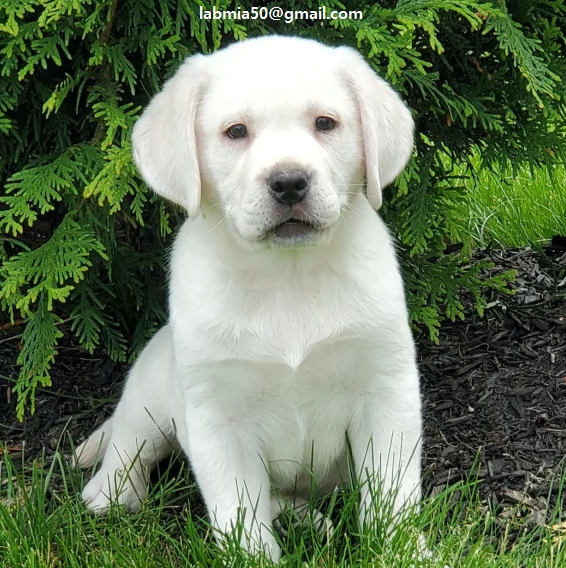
(82, 238)
(513, 208)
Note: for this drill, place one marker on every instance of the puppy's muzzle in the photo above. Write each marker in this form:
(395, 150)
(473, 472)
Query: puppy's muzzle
(288, 187)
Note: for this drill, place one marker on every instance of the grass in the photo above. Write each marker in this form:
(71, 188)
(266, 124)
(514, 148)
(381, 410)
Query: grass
(513, 210)
(44, 524)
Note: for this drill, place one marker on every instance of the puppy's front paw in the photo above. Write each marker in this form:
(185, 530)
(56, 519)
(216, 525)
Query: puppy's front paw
(262, 542)
(127, 489)
(425, 553)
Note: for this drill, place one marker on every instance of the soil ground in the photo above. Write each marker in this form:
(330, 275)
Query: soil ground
(494, 392)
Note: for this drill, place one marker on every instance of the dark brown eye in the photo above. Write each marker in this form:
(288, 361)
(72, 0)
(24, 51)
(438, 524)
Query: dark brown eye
(325, 123)
(237, 131)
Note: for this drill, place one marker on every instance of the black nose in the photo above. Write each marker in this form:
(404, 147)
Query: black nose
(288, 187)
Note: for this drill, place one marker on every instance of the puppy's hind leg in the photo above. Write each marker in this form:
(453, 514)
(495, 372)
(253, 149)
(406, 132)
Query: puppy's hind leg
(94, 447)
(141, 432)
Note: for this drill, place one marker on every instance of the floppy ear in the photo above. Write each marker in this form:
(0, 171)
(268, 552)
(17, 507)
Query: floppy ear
(164, 141)
(387, 125)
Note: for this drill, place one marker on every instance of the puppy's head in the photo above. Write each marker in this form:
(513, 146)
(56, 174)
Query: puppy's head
(274, 135)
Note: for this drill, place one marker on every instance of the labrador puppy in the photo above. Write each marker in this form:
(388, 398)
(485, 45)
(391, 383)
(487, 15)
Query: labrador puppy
(288, 356)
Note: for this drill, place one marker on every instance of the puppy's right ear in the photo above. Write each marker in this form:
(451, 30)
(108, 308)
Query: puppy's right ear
(164, 141)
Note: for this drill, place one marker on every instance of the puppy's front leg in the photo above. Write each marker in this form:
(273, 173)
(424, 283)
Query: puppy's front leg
(233, 479)
(385, 441)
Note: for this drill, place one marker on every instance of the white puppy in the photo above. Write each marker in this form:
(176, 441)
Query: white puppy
(288, 349)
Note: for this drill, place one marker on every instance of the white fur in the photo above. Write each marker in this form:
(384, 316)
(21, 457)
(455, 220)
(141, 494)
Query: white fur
(277, 351)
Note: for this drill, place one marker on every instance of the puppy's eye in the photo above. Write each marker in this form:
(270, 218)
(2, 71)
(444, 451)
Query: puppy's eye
(325, 123)
(237, 131)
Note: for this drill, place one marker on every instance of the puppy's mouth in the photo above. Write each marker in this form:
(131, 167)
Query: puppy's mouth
(293, 228)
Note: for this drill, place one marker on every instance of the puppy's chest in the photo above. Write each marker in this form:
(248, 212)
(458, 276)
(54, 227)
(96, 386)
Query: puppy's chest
(284, 326)
(312, 413)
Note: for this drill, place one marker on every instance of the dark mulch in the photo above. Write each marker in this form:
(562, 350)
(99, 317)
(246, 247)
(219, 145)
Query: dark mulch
(494, 390)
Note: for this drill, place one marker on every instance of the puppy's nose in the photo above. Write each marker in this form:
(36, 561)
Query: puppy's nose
(288, 187)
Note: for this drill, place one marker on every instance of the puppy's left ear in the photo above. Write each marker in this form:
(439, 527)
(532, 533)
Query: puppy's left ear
(387, 125)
